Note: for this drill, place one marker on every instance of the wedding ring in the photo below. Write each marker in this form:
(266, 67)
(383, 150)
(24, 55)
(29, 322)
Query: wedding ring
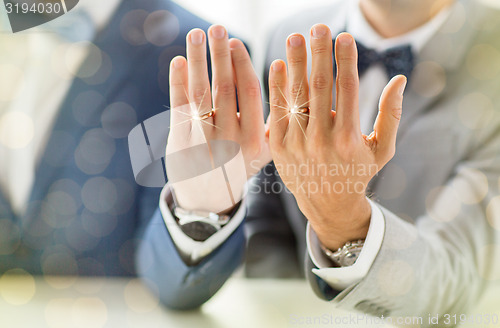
(205, 116)
(303, 110)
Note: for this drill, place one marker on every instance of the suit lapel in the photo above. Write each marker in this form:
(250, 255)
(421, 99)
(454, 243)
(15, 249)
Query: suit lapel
(437, 62)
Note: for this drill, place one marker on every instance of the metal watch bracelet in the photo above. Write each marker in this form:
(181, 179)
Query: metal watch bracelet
(346, 255)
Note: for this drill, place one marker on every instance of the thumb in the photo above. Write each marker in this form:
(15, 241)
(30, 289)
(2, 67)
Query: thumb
(389, 115)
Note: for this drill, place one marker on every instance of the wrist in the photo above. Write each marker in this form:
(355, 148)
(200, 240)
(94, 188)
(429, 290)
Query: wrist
(350, 224)
(215, 202)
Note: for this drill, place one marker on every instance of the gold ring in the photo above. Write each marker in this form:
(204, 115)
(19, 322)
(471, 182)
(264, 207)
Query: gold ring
(301, 110)
(205, 116)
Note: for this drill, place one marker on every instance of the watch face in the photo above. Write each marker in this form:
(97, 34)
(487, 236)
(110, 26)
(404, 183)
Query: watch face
(198, 231)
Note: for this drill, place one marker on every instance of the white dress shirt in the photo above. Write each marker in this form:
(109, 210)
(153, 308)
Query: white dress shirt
(37, 68)
(371, 85)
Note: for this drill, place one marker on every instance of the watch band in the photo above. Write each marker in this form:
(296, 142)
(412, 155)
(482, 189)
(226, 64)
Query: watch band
(346, 255)
(187, 216)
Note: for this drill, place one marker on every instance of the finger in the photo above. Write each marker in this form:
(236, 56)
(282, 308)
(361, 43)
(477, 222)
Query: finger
(347, 105)
(179, 102)
(321, 82)
(278, 123)
(199, 85)
(224, 95)
(389, 115)
(298, 87)
(248, 89)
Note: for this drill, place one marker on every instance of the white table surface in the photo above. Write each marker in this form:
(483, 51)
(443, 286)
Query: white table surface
(56, 302)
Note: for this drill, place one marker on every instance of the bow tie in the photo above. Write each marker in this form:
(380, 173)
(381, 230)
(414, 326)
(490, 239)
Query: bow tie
(397, 60)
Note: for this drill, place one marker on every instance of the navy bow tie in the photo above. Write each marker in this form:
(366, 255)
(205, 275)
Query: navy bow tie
(397, 60)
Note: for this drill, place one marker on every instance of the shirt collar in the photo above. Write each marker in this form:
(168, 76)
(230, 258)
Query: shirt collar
(361, 30)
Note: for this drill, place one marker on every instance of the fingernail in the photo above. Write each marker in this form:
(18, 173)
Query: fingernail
(345, 39)
(196, 37)
(218, 32)
(319, 31)
(295, 41)
(277, 66)
(402, 88)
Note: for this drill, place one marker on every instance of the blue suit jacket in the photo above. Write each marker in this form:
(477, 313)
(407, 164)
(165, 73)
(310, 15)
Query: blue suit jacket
(86, 213)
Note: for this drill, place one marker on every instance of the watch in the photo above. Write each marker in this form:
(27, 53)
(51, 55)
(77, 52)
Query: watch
(199, 225)
(346, 255)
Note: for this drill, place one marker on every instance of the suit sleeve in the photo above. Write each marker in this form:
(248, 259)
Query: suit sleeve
(179, 285)
(441, 263)
(183, 284)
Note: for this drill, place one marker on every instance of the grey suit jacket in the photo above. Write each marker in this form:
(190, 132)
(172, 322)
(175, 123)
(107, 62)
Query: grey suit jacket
(439, 194)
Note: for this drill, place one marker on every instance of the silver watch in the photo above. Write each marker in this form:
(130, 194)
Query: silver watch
(346, 255)
(199, 225)
(213, 219)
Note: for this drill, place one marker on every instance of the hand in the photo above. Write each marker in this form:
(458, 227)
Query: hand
(322, 156)
(198, 144)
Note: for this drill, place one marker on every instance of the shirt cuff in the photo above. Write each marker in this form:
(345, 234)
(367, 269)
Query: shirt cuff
(189, 248)
(341, 278)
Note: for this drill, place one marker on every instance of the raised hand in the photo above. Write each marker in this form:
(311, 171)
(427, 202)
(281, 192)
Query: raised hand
(321, 154)
(212, 149)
